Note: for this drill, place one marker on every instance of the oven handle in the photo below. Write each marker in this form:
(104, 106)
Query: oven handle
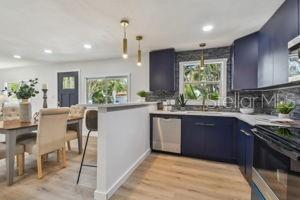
(291, 154)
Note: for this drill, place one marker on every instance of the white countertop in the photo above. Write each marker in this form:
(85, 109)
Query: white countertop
(116, 107)
(254, 119)
(129, 104)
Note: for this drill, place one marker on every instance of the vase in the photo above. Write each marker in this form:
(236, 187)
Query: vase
(25, 111)
(182, 108)
(283, 116)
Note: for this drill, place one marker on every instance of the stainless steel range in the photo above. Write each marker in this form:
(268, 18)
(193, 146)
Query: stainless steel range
(276, 163)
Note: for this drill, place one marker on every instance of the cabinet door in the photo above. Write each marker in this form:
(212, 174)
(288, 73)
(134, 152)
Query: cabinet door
(241, 143)
(219, 138)
(284, 28)
(162, 70)
(192, 137)
(245, 62)
(245, 143)
(249, 155)
(265, 58)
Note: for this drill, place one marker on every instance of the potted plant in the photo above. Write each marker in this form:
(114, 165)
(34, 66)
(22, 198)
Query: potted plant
(284, 109)
(24, 92)
(181, 102)
(142, 95)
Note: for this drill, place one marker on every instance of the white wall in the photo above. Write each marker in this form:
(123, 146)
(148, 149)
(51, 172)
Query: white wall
(123, 143)
(110, 67)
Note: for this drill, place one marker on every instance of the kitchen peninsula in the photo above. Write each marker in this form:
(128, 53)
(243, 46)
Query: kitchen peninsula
(123, 143)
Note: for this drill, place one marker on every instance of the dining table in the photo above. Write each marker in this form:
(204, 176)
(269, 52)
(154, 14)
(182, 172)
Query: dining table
(15, 128)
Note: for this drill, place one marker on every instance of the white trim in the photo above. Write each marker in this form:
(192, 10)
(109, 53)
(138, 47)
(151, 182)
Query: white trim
(107, 76)
(223, 80)
(98, 195)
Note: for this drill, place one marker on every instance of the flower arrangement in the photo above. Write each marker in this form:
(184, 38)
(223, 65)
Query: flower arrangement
(26, 90)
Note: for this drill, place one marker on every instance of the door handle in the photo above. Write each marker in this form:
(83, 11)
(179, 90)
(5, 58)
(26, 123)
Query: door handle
(246, 133)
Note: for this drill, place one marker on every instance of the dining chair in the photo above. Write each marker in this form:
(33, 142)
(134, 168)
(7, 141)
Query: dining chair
(72, 130)
(11, 113)
(52, 126)
(91, 122)
(19, 151)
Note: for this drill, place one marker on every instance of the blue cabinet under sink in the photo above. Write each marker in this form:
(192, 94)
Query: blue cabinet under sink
(208, 137)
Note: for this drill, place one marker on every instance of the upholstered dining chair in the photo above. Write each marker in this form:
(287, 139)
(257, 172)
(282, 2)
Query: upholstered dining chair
(72, 131)
(11, 113)
(19, 155)
(52, 126)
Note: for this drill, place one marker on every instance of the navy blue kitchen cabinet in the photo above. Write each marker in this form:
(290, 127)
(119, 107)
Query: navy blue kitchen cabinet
(245, 149)
(245, 63)
(285, 28)
(208, 137)
(162, 70)
(273, 39)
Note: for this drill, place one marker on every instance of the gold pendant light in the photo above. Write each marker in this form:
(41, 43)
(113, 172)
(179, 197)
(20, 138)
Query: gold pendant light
(139, 55)
(202, 65)
(124, 24)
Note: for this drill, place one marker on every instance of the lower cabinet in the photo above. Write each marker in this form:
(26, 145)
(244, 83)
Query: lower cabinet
(208, 137)
(245, 149)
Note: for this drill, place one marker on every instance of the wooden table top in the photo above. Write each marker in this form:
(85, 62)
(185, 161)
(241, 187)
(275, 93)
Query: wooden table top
(17, 124)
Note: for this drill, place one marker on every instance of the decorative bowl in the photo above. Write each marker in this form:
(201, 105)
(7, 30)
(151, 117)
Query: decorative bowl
(247, 111)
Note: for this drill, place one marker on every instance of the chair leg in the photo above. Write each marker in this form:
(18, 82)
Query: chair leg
(69, 145)
(45, 157)
(82, 159)
(20, 161)
(39, 166)
(58, 155)
(63, 152)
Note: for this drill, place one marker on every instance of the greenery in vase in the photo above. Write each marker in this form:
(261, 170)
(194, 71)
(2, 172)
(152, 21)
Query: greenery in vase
(181, 100)
(26, 90)
(285, 107)
(143, 93)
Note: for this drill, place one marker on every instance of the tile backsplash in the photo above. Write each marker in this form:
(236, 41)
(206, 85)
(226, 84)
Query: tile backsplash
(262, 101)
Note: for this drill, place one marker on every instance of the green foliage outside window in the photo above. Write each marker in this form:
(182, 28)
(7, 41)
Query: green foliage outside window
(102, 90)
(202, 83)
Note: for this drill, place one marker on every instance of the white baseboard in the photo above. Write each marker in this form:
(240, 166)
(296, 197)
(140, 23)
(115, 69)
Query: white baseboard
(98, 195)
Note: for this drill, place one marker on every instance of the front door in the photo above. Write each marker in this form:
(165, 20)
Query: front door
(67, 89)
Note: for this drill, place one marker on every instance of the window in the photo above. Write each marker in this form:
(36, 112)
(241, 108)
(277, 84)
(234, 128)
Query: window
(195, 82)
(69, 82)
(107, 90)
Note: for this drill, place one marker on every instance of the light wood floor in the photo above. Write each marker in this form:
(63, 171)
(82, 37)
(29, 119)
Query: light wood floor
(163, 177)
(160, 177)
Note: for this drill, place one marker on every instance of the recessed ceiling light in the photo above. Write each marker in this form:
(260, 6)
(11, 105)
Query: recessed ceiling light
(17, 57)
(87, 46)
(48, 51)
(207, 28)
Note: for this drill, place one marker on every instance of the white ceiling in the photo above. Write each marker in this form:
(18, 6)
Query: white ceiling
(29, 26)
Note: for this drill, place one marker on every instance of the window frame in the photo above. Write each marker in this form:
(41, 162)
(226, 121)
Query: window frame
(128, 76)
(223, 81)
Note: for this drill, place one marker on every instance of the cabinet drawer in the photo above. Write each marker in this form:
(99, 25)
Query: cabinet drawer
(208, 121)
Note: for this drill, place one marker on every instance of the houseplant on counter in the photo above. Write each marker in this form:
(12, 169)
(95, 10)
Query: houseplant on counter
(142, 95)
(284, 109)
(181, 102)
(24, 92)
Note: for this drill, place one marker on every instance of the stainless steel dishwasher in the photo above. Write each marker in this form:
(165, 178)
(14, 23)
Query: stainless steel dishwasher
(166, 134)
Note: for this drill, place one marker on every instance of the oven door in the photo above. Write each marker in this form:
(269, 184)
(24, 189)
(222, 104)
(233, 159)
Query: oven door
(275, 172)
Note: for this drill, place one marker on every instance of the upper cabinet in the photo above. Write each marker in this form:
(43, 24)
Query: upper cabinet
(274, 36)
(162, 70)
(245, 62)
